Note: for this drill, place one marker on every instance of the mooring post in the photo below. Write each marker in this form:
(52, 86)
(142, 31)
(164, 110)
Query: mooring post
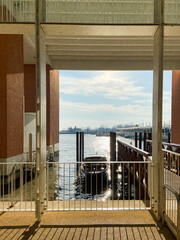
(77, 151)
(135, 139)
(145, 137)
(82, 148)
(169, 137)
(140, 140)
(113, 165)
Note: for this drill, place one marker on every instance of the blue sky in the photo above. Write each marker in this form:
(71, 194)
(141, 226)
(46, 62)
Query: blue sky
(108, 98)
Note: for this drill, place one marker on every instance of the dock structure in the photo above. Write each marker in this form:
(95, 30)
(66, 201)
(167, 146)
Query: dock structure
(39, 37)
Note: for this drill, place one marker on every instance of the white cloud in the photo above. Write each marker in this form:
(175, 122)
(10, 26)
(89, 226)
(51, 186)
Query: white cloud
(105, 108)
(113, 85)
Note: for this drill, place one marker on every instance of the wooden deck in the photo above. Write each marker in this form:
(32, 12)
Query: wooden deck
(82, 225)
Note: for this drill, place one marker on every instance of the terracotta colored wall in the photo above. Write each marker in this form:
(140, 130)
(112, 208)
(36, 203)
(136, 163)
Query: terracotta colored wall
(52, 88)
(175, 118)
(11, 95)
(30, 88)
(52, 105)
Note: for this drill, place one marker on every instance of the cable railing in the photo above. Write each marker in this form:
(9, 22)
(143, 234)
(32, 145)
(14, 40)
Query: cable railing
(89, 11)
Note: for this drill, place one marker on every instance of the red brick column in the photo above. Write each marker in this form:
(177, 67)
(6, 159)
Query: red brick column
(52, 90)
(175, 118)
(52, 102)
(11, 95)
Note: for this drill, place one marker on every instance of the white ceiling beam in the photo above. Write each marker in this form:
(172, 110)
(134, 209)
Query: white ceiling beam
(100, 53)
(99, 30)
(111, 65)
(107, 48)
(111, 58)
(109, 53)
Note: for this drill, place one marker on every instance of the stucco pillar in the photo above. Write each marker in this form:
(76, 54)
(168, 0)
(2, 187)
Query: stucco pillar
(11, 96)
(175, 117)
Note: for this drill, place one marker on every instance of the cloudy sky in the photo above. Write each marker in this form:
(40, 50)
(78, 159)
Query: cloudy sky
(108, 98)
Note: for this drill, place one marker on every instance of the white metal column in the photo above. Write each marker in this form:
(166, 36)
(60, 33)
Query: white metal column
(40, 113)
(157, 157)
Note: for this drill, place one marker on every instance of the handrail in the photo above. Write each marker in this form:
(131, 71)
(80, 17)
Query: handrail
(137, 150)
(168, 144)
(175, 228)
(168, 151)
(173, 191)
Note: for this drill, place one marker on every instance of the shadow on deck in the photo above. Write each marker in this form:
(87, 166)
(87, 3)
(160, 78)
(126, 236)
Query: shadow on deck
(82, 225)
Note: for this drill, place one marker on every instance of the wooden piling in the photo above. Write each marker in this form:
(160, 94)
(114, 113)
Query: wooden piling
(169, 137)
(145, 138)
(77, 151)
(140, 140)
(135, 139)
(113, 165)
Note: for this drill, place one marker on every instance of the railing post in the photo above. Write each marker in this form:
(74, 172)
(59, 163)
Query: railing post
(12, 187)
(21, 183)
(178, 218)
(30, 147)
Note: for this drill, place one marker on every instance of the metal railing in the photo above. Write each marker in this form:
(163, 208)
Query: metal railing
(172, 210)
(173, 147)
(97, 186)
(172, 190)
(17, 186)
(89, 11)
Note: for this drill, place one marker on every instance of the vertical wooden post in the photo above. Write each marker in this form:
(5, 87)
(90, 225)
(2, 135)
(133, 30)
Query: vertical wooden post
(149, 136)
(136, 139)
(82, 146)
(77, 151)
(145, 137)
(112, 146)
(169, 137)
(30, 147)
(157, 157)
(140, 140)
(113, 165)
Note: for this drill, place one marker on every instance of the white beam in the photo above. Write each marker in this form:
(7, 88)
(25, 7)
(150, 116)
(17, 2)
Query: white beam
(100, 64)
(98, 30)
(157, 157)
(40, 114)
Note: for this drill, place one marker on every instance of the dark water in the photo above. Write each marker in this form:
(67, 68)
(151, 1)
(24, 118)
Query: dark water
(65, 183)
